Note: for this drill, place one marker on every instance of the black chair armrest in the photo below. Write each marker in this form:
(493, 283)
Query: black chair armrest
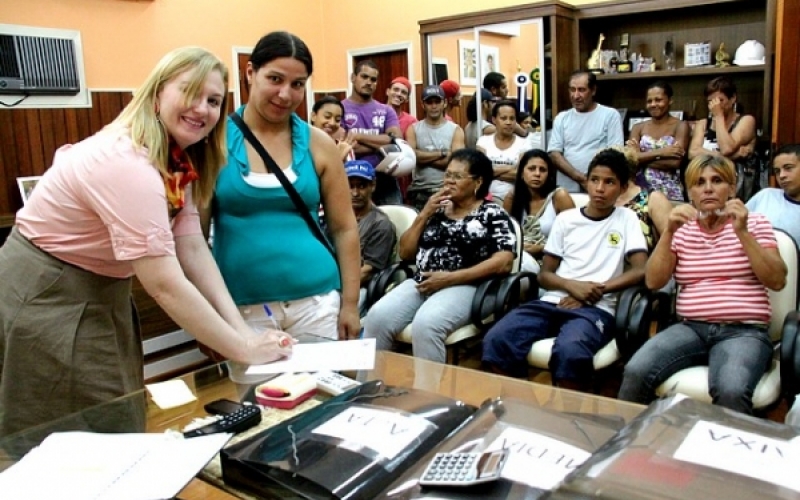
(790, 356)
(509, 295)
(633, 318)
(379, 284)
(483, 301)
(496, 296)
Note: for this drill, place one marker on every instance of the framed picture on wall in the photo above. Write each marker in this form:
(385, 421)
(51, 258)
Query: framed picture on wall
(26, 185)
(490, 59)
(467, 63)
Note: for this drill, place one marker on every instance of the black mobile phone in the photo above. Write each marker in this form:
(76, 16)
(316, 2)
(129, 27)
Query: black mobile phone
(222, 407)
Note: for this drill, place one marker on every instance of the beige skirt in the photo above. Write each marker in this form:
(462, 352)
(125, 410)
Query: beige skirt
(68, 342)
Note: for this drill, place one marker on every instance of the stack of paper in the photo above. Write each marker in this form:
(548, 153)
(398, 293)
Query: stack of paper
(84, 465)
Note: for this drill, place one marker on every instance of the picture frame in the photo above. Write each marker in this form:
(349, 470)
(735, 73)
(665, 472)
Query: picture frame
(26, 185)
(490, 59)
(467, 63)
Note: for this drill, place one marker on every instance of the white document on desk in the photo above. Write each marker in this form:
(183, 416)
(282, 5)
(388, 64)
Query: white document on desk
(319, 356)
(85, 465)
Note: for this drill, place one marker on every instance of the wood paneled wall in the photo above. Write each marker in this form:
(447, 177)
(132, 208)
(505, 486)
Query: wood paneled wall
(30, 137)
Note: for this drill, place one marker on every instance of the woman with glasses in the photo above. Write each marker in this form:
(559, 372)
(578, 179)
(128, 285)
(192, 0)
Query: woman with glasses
(458, 239)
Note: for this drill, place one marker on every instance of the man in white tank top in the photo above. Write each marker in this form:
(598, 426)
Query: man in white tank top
(433, 140)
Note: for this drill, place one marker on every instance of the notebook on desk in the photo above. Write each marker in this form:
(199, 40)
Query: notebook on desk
(349, 447)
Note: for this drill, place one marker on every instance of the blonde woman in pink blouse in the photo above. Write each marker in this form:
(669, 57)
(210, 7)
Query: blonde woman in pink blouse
(122, 202)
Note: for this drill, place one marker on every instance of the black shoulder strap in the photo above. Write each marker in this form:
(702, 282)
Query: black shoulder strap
(278, 172)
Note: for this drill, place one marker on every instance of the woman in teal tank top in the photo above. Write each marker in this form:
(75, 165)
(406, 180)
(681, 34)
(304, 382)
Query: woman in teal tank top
(279, 274)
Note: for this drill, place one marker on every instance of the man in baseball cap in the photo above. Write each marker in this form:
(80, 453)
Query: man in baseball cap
(433, 139)
(397, 96)
(375, 230)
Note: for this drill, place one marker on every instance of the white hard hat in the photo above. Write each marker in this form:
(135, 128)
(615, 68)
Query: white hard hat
(399, 159)
(749, 53)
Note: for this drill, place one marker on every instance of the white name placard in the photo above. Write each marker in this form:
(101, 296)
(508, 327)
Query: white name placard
(740, 452)
(386, 432)
(537, 460)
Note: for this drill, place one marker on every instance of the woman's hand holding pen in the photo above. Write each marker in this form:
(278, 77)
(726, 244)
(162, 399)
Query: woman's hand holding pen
(267, 346)
(270, 344)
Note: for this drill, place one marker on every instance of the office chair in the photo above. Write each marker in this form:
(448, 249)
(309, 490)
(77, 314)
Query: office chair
(782, 376)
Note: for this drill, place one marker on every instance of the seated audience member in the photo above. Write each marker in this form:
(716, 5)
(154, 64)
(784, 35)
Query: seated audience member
(652, 209)
(582, 270)
(458, 239)
(724, 259)
(433, 140)
(661, 142)
(474, 129)
(375, 231)
(326, 114)
(504, 148)
(534, 203)
(782, 206)
(727, 133)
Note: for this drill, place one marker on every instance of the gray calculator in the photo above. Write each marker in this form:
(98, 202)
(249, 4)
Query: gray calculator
(464, 469)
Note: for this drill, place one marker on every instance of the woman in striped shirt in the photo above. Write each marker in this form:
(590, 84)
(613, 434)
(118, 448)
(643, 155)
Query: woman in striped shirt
(724, 259)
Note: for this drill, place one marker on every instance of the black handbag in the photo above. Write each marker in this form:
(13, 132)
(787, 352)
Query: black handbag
(278, 172)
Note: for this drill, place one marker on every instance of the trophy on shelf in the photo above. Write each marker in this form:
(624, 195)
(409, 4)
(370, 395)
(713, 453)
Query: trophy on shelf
(595, 62)
(721, 57)
(669, 54)
(624, 65)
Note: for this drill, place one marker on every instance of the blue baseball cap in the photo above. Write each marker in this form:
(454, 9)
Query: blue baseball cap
(360, 168)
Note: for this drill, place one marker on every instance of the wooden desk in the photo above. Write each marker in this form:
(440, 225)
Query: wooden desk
(470, 386)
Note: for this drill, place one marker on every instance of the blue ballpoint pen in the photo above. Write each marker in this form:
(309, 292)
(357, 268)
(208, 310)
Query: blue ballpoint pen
(271, 317)
(284, 341)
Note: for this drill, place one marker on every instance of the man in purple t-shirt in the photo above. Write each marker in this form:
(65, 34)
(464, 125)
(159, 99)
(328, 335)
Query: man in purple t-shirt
(372, 125)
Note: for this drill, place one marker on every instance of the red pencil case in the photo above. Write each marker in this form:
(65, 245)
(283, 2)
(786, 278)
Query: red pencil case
(286, 391)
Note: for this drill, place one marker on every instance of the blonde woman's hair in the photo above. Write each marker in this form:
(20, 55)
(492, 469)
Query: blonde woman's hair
(723, 166)
(146, 130)
(631, 157)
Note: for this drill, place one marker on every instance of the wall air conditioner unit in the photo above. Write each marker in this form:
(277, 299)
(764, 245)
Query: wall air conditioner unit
(37, 65)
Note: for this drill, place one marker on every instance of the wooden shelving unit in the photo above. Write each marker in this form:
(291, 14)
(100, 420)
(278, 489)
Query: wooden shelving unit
(709, 71)
(651, 23)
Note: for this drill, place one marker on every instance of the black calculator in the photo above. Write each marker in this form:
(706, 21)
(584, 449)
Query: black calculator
(464, 469)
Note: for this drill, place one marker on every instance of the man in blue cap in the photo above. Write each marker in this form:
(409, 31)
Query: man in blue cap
(375, 230)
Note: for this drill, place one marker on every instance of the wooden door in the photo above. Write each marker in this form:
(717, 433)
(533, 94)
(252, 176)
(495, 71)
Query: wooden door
(786, 104)
(390, 66)
(244, 90)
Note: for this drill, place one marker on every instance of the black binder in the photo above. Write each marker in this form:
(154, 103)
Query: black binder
(291, 460)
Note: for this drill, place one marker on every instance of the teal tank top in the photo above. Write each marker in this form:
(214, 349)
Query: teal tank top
(263, 247)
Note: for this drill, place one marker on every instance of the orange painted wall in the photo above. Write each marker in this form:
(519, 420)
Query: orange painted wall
(122, 39)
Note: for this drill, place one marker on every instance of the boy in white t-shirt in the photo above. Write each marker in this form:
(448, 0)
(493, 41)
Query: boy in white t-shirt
(582, 271)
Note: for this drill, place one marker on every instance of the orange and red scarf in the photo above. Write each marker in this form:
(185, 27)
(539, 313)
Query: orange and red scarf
(181, 173)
